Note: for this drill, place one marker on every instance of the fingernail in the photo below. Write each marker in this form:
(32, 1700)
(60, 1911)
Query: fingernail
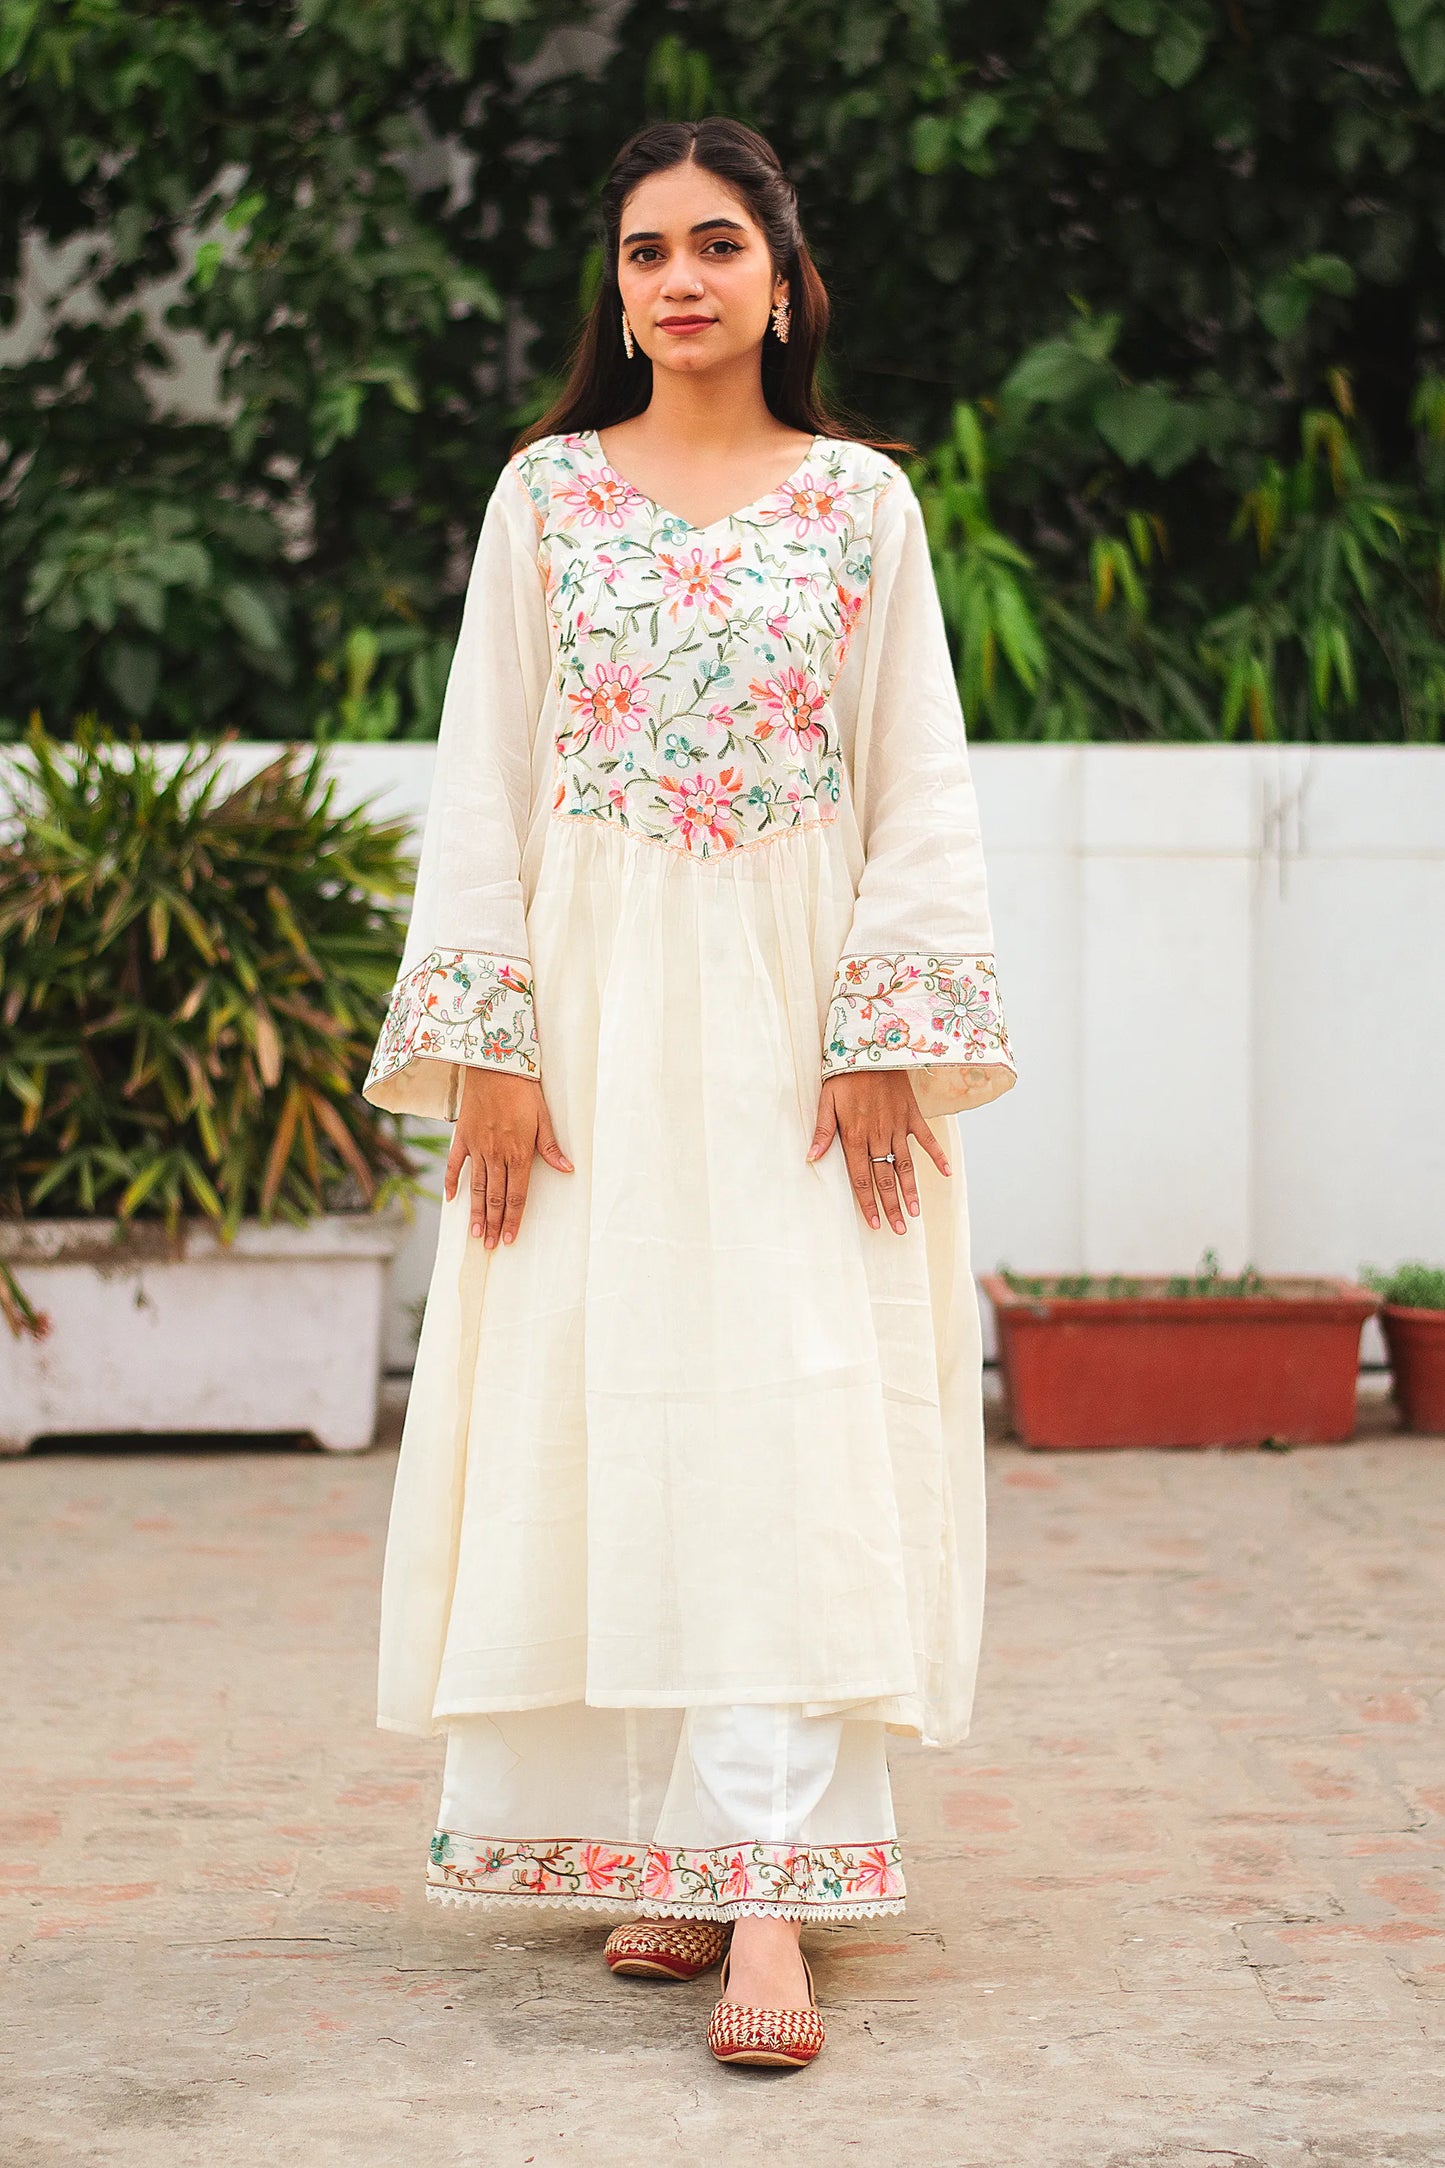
(476, 1227)
(913, 1206)
(507, 1236)
(872, 1219)
(946, 1168)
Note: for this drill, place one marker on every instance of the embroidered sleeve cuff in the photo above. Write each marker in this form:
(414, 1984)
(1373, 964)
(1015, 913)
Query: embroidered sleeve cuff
(456, 1009)
(937, 1014)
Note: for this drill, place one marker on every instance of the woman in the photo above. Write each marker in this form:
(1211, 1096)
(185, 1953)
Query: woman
(689, 1512)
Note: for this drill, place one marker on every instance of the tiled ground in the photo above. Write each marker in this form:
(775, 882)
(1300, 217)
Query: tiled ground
(1180, 1900)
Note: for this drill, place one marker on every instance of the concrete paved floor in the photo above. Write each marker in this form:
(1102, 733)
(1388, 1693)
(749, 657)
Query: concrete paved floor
(1181, 1899)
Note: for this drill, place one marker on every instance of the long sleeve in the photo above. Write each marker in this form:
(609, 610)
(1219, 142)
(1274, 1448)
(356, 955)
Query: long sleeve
(916, 985)
(463, 995)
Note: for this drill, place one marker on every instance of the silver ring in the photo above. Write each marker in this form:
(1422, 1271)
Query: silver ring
(880, 1155)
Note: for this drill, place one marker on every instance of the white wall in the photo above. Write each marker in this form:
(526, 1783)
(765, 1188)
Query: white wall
(1223, 969)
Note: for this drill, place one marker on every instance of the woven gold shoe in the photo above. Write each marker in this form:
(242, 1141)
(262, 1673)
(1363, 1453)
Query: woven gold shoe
(665, 1949)
(775, 2039)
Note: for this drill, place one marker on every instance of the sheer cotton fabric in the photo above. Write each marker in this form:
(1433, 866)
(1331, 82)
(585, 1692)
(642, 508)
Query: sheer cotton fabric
(702, 833)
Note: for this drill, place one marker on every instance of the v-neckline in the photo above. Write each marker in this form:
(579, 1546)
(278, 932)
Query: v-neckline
(728, 517)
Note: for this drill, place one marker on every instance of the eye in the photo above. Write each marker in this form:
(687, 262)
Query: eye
(732, 247)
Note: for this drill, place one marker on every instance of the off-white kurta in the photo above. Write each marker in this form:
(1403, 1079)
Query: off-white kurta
(702, 833)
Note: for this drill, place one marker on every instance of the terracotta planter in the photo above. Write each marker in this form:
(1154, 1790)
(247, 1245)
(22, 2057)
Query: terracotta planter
(1158, 1369)
(1416, 1340)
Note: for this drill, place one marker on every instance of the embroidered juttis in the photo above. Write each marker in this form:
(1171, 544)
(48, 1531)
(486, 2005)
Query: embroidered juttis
(702, 833)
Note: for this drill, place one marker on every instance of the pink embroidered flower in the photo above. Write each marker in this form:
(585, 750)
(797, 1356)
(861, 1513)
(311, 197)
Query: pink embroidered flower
(600, 1868)
(657, 1873)
(778, 623)
(735, 1878)
(809, 504)
(692, 580)
(599, 499)
(795, 699)
(702, 806)
(612, 704)
(875, 1875)
(720, 717)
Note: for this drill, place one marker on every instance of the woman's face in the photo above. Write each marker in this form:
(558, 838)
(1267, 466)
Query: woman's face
(696, 277)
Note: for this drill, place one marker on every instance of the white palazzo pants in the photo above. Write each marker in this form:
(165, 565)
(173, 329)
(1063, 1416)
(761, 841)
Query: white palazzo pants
(696, 1813)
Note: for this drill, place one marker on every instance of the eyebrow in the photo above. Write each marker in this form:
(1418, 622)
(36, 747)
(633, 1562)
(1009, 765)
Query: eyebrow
(734, 225)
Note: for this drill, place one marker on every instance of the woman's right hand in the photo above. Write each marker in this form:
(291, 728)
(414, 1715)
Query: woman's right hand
(502, 1123)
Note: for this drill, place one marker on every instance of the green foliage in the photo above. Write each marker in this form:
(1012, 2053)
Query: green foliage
(1410, 1286)
(1207, 1279)
(339, 195)
(1172, 262)
(1322, 616)
(193, 973)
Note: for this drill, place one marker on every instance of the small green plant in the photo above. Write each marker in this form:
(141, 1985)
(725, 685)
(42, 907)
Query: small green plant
(1080, 1287)
(193, 971)
(1409, 1287)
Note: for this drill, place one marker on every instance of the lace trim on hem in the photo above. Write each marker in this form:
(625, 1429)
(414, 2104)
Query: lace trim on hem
(837, 1910)
(514, 1900)
(643, 1908)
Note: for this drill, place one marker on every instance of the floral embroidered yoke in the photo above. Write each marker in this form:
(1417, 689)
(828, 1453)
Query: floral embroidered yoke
(705, 691)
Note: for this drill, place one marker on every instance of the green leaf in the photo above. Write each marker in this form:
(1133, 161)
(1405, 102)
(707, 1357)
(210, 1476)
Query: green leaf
(1051, 374)
(134, 673)
(930, 143)
(1134, 421)
(252, 617)
(1179, 49)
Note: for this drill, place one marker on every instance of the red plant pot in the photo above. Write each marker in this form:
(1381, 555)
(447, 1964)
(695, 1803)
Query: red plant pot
(1416, 1340)
(1159, 1369)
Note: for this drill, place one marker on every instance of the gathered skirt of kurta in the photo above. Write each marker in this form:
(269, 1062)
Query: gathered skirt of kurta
(710, 1437)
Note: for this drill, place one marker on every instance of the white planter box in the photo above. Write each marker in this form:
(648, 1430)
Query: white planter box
(279, 1330)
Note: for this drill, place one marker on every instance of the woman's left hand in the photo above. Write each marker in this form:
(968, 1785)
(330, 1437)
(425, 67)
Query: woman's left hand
(876, 1113)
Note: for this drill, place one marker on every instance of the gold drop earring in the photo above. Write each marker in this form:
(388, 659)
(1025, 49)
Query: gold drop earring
(781, 313)
(627, 336)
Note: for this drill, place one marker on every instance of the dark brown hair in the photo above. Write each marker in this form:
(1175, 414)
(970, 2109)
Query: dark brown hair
(603, 386)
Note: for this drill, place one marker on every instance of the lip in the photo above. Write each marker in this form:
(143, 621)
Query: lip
(682, 325)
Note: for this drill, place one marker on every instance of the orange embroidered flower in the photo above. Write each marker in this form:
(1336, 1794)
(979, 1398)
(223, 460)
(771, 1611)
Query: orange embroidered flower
(809, 504)
(692, 581)
(600, 499)
(702, 806)
(795, 701)
(600, 1867)
(611, 704)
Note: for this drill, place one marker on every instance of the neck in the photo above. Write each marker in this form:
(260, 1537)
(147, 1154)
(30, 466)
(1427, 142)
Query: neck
(724, 409)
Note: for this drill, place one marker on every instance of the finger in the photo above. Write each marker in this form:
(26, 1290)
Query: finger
(903, 1168)
(826, 1127)
(547, 1143)
(884, 1174)
(518, 1177)
(919, 1128)
(479, 1194)
(497, 1174)
(456, 1160)
(860, 1174)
